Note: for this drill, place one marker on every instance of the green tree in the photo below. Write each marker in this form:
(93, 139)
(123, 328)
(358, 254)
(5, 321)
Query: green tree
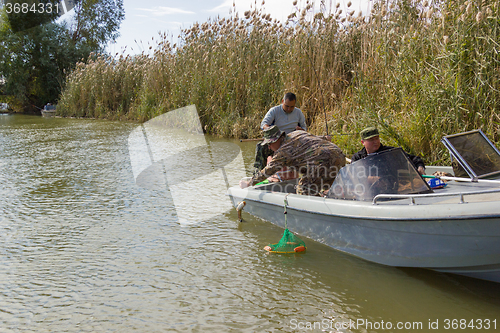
(35, 61)
(26, 14)
(97, 21)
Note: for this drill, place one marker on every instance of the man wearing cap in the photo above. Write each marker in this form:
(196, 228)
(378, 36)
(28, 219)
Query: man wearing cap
(315, 159)
(287, 117)
(371, 142)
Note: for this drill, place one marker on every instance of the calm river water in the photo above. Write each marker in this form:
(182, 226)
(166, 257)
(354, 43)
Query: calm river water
(84, 248)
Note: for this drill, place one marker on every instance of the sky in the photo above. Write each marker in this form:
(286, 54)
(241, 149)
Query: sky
(145, 18)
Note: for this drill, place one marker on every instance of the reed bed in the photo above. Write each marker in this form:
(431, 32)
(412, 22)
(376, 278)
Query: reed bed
(416, 69)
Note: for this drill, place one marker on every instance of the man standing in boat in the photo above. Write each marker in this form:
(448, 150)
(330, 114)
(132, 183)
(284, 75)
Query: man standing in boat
(287, 118)
(371, 144)
(315, 159)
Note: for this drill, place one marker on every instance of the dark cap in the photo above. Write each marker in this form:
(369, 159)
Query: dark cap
(271, 134)
(369, 133)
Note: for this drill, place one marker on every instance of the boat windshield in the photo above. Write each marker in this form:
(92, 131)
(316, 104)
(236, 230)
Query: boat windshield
(387, 172)
(475, 153)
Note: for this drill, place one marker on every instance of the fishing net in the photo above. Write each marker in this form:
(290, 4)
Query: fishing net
(289, 243)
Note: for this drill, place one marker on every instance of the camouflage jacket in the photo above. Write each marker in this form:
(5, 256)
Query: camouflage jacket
(300, 150)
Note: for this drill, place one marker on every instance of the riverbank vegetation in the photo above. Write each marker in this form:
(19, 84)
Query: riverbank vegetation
(416, 69)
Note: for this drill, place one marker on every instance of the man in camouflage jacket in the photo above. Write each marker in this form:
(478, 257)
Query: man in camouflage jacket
(315, 159)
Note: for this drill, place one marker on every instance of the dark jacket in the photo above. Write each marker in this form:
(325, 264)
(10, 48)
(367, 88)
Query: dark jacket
(417, 161)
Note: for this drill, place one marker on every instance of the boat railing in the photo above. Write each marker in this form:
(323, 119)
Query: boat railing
(412, 197)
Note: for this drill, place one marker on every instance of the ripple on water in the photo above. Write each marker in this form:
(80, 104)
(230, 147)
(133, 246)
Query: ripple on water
(84, 249)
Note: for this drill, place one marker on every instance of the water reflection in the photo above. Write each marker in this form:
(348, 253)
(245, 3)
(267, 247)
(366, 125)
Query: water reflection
(171, 152)
(83, 248)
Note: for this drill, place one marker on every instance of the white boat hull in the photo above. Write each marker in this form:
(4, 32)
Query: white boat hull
(440, 234)
(48, 113)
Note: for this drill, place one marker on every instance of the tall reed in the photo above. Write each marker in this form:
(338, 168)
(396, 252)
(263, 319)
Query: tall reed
(417, 70)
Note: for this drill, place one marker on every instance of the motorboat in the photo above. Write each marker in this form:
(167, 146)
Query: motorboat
(382, 210)
(49, 110)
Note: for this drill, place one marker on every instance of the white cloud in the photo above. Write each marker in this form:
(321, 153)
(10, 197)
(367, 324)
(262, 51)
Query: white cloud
(162, 11)
(225, 6)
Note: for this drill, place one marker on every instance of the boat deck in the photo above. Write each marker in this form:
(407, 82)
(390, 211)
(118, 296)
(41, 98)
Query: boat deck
(454, 192)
